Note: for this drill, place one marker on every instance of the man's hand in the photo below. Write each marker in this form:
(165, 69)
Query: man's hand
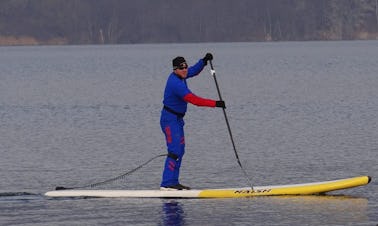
(207, 57)
(220, 104)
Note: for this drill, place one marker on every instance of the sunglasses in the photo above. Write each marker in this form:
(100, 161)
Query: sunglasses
(182, 66)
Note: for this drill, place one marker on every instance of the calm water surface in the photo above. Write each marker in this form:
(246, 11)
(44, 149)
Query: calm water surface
(299, 112)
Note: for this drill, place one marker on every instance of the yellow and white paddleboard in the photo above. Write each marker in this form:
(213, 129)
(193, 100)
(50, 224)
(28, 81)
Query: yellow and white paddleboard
(293, 189)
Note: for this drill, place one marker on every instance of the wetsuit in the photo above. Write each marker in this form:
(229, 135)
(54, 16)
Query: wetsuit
(176, 97)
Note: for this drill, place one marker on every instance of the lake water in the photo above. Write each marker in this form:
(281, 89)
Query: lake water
(299, 112)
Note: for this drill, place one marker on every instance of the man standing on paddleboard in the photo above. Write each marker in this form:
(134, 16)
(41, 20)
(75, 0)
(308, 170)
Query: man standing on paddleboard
(176, 98)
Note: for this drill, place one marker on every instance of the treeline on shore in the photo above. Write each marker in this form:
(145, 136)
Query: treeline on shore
(33, 22)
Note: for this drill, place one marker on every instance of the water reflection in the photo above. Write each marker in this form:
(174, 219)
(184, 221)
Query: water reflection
(172, 213)
(331, 209)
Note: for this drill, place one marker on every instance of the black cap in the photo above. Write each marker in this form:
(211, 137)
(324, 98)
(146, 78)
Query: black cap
(178, 61)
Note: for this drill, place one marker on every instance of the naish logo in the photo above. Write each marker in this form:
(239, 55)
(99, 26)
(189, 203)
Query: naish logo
(252, 191)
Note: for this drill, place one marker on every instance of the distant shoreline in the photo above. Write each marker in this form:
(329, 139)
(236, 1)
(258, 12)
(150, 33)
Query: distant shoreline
(31, 41)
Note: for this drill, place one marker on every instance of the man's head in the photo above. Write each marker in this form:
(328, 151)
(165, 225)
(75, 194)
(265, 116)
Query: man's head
(180, 67)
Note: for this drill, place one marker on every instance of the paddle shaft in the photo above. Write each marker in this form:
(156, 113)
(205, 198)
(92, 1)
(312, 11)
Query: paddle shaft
(228, 125)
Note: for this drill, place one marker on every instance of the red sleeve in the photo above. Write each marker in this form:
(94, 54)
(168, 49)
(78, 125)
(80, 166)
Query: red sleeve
(199, 101)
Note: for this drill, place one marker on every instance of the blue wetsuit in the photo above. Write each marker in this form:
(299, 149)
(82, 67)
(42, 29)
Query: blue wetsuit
(172, 122)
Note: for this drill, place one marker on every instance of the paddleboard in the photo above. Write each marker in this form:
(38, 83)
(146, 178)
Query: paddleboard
(293, 189)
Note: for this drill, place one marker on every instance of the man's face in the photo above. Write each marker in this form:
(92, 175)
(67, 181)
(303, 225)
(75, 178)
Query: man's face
(182, 70)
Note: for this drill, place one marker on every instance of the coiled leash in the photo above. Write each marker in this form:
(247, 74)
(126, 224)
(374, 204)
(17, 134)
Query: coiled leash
(111, 180)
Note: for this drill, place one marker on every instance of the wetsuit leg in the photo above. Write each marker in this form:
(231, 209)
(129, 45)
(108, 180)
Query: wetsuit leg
(174, 134)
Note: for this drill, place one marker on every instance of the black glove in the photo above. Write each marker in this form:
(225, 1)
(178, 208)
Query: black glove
(220, 104)
(208, 57)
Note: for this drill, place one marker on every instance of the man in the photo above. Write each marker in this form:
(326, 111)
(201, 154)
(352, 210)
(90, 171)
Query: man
(176, 97)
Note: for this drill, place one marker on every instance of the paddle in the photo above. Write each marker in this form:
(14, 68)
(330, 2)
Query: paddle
(212, 71)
